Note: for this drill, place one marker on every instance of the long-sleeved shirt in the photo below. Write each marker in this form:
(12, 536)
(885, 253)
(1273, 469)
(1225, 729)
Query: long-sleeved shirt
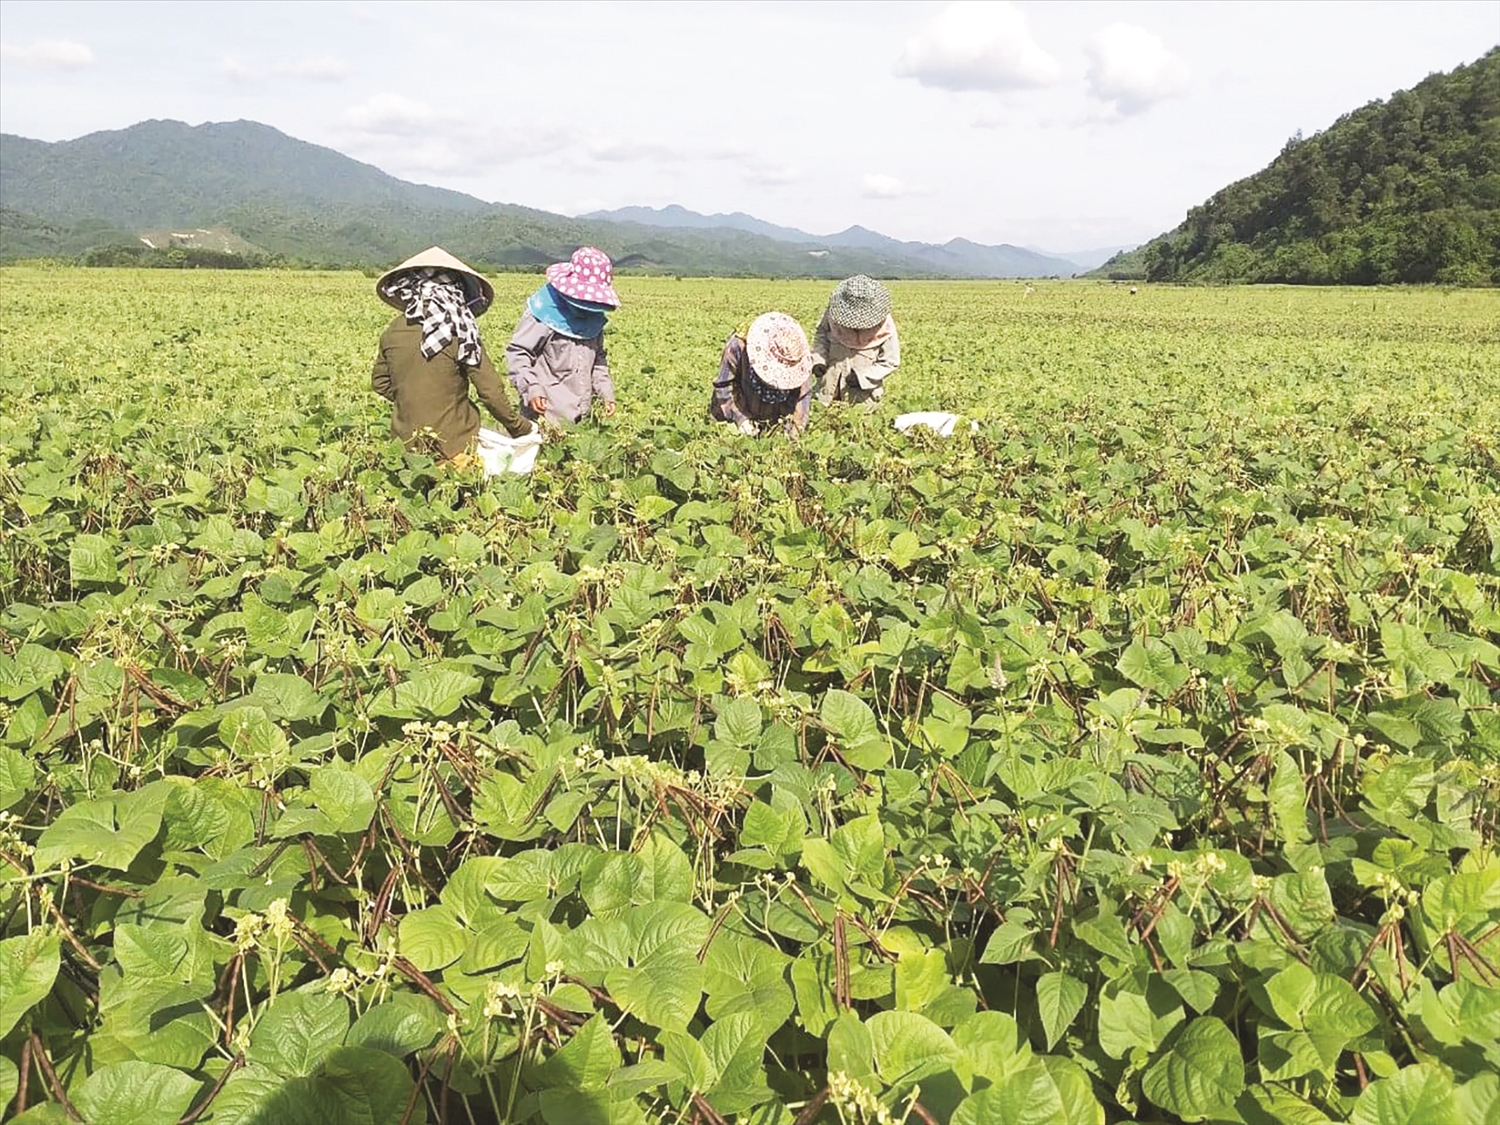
(734, 398)
(434, 393)
(867, 367)
(568, 373)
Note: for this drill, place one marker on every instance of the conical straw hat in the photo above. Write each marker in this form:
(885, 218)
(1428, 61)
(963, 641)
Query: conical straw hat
(437, 258)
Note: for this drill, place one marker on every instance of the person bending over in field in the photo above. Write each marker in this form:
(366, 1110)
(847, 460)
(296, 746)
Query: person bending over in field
(431, 354)
(556, 358)
(855, 347)
(764, 378)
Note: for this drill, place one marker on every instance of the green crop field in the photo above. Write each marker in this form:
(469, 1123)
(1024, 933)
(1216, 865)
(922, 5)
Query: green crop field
(1134, 757)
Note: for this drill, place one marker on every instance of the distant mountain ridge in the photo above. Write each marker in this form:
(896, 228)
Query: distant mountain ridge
(958, 257)
(258, 189)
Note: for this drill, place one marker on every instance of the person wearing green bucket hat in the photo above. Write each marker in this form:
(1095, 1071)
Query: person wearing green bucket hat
(855, 348)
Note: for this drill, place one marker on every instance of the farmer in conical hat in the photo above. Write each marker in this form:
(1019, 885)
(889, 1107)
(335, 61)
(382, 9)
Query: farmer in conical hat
(855, 347)
(430, 354)
(764, 381)
(556, 358)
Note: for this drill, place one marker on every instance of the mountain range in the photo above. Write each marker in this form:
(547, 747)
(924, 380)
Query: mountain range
(247, 188)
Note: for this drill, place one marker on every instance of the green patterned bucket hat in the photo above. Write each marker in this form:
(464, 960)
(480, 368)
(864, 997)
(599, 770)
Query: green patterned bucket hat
(859, 302)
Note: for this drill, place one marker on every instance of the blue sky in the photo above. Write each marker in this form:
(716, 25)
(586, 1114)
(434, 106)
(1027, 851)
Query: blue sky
(1061, 125)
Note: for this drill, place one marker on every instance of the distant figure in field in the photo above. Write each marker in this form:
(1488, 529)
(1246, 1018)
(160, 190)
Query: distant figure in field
(556, 358)
(764, 381)
(431, 354)
(855, 348)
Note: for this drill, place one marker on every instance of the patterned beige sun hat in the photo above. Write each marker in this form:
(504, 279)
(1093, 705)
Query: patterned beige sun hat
(778, 351)
(435, 257)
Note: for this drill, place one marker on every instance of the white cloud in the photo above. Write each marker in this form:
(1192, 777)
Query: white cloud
(1130, 69)
(391, 115)
(236, 71)
(773, 176)
(877, 185)
(322, 69)
(56, 54)
(978, 45)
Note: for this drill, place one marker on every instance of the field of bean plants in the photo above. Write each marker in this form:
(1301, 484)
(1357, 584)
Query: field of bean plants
(1134, 757)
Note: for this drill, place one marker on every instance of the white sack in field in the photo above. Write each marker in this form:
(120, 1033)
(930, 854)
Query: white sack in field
(937, 420)
(503, 454)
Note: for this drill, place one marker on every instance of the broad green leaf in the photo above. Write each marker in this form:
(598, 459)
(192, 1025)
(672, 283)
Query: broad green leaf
(398, 1026)
(91, 561)
(351, 1084)
(909, 1047)
(109, 831)
(853, 726)
(431, 939)
(298, 1031)
(135, 1093)
(585, 1060)
(1059, 998)
(739, 722)
(28, 968)
(1423, 1094)
(430, 693)
(1200, 1074)
(345, 797)
(664, 993)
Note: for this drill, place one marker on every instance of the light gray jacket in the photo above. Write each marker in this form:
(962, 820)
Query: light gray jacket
(568, 373)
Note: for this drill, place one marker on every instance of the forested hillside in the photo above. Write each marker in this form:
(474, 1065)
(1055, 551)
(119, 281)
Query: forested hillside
(1405, 190)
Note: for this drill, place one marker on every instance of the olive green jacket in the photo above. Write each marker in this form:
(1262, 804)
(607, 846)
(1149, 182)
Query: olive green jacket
(434, 393)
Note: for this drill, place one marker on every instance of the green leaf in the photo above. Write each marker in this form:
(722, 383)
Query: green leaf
(135, 1093)
(584, 1062)
(665, 993)
(921, 977)
(398, 1026)
(1153, 666)
(352, 1086)
(28, 968)
(431, 939)
(298, 1031)
(1201, 1073)
(431, 693)
(852, 723)
(739, 722)
(909, 1047)
(1324, 1006)
(109, 831)
(736, 1046)
(346, 798)
(284, 696)
(91, 561)
(1423, 1094)
(589, 1107)
(1059, 998)
(10, 1082)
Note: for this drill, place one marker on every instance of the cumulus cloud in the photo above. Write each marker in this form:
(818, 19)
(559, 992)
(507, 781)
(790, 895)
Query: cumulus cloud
(978, 45)
(54, 54)
(1130, 70)
(322, 69)
(877, 185)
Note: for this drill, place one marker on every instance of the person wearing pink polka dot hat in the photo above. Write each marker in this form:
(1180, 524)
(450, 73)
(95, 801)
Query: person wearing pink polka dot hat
(556, 358)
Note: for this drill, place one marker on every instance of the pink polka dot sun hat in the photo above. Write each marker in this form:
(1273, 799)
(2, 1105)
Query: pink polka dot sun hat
(588, 277)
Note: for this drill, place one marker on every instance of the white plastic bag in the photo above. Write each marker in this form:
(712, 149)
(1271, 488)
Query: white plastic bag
(501, 453)
(937, 420)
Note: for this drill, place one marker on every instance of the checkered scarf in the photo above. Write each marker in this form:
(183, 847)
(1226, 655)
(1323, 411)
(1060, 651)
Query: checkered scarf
(435, 297)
